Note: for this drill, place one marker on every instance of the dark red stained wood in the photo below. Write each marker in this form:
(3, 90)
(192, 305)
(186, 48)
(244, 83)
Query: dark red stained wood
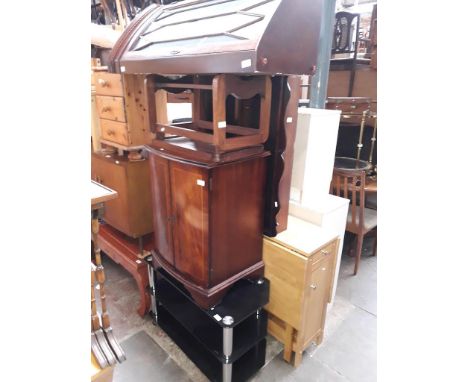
(237, 199)
(189, 189)
(161, 202)
(285, 42)
(284, 187)
(124, 251)
(285, 97)
(217, 214)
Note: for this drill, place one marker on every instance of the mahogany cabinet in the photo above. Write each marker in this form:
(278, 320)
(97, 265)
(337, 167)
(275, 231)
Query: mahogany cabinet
(208, 221)
(131, 212)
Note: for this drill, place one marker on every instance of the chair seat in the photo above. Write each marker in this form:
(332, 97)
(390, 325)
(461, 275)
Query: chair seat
(370, 220)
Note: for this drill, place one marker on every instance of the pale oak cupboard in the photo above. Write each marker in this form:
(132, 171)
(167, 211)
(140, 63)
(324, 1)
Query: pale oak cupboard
(300, 264)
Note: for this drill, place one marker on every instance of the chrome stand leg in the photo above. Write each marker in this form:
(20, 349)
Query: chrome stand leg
(227, 348)
(152, 290)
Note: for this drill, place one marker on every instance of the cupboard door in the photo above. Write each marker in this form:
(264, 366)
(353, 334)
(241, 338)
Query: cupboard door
(114, 176)
(161, 200)
(318, 288)
(189, 185)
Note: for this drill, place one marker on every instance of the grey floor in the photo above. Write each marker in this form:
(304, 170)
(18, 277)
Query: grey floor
(347, 353)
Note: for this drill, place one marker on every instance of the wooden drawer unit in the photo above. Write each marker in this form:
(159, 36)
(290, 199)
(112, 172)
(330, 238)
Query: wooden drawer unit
(108, 84)
(115, 132)
(131, 212)
(300, 264)
(121, 106)
(111, 108)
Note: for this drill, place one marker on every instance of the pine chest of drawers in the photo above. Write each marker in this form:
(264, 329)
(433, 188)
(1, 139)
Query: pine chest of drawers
(121, 104)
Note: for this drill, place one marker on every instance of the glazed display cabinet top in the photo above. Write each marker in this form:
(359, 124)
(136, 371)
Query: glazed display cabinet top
(222, 36)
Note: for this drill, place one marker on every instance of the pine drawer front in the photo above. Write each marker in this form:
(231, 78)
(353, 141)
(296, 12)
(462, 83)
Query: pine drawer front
(109, 84)
(325, 252)
(111, 108)
(115, 132)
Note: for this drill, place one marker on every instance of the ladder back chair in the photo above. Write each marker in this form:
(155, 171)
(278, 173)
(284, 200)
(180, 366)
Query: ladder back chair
(350, 184)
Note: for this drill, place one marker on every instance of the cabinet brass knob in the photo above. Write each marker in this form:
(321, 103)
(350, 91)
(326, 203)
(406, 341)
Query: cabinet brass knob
(110, 132)
(105, 109)
(313, 286)
(102, 82)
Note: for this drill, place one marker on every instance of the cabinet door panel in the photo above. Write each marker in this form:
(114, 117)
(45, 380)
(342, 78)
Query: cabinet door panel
(237, 220)
(189, 186)
(113, 176)
(161, 199)
(318, 288)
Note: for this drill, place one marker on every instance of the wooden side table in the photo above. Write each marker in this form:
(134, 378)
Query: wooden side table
(126, 251)
(103, 343)
(300, 264)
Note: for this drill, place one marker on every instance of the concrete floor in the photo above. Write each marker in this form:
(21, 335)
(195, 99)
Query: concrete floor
(347, 353)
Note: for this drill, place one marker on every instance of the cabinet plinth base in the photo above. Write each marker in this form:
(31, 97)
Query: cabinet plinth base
(207, 297)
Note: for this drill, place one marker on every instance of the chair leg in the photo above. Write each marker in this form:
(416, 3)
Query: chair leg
(374, 250)
(360, 238)
(352, 247)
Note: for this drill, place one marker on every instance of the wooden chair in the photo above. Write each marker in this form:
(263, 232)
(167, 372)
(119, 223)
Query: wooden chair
(361, 220)
(346, 40)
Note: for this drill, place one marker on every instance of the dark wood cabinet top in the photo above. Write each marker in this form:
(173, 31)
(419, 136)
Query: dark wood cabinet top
(222, 36)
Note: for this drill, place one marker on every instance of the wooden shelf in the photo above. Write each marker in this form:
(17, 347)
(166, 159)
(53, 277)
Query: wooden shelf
(167, 85)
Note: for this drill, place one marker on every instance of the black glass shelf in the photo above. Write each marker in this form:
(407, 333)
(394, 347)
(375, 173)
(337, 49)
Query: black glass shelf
(207, 330)
(242, 369)
(243, 298)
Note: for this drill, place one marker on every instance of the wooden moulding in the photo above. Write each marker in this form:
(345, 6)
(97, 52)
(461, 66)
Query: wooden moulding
(217, 130)
(283, 122)
(206, 298)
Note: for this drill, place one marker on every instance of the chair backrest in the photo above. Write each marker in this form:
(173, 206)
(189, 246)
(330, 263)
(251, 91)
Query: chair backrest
(343, 39)
(350, 184)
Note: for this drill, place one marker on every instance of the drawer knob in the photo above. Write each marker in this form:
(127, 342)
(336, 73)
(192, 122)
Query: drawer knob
(313, 286)
(102, 82)
(105, 109)
(324, 252)
(110, 132)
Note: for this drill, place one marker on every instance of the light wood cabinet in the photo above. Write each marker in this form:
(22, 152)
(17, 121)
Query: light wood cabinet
(121, 104)
(300, 264)
(131, 212)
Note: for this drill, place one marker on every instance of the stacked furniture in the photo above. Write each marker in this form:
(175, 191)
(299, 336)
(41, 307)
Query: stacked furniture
(124, 129)
(222, 178)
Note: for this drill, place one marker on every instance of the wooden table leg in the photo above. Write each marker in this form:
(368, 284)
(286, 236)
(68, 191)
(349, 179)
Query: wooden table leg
(288, 340)
(319, 338)
(141, 278)
(297, 358)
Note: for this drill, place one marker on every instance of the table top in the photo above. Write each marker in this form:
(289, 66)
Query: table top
(302, 236)
(101, 194)
(345, 163)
